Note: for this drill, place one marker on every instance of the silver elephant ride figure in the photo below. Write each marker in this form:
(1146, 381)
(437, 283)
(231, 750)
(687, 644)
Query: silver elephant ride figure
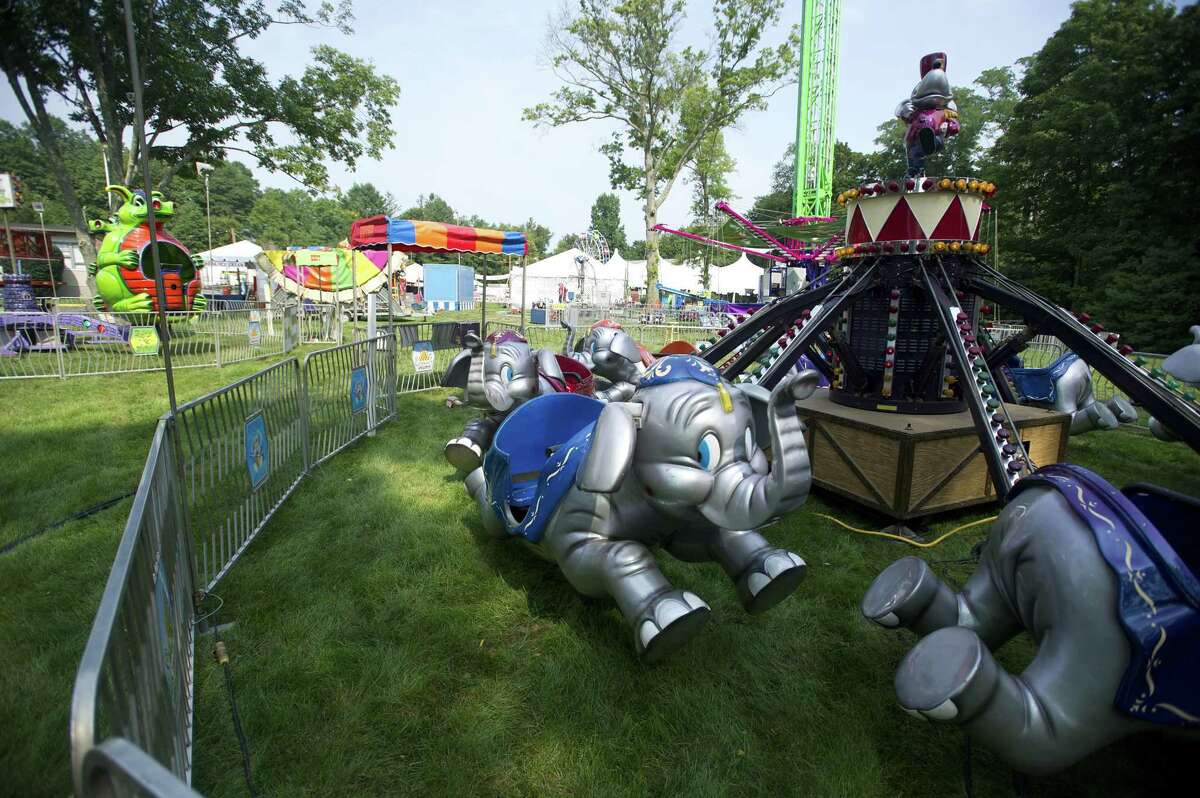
(677, 466)
(1184, 366)
(1106, 582)
(497, 375)
(611, 354)
(1066, 386)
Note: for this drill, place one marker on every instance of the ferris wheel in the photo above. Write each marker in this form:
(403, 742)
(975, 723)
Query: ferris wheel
(594, 249)
(594, 245)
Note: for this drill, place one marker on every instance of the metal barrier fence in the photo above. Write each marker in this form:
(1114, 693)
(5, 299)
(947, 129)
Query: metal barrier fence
(351, 389)
(135, 677)
(86, 342)
(227, 504)
(425, 351)
(217, 471)
(652, 336)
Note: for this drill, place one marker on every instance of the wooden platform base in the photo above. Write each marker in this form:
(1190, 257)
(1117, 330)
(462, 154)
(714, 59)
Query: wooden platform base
(907, 466)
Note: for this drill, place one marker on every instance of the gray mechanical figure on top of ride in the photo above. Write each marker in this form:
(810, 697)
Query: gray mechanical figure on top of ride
(611, 354)
(1105, 581)
(1184, 366)
(497, 375)
(677, 466)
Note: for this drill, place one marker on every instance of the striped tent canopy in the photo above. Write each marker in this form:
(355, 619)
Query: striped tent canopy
(408, 235)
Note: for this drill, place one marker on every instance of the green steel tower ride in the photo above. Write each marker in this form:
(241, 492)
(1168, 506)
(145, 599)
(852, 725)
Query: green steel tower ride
(817, 112)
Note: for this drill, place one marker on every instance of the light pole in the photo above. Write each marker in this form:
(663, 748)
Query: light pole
(202, 170)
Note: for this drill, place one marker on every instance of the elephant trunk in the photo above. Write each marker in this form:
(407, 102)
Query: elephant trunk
(570, 342)
(746, 499)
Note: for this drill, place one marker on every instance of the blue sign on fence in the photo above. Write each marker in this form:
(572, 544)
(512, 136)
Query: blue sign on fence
(258, 449)
(358, 390)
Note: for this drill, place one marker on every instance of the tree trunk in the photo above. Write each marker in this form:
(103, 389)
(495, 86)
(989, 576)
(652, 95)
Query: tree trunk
(651, 216)
(35, 111)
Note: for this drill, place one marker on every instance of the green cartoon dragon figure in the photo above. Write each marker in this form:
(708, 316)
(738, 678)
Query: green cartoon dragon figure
(124, 269)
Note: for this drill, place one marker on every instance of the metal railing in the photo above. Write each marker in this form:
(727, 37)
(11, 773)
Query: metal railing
(75, 343)
(218, 469)
(135, 677)
(226, 509)
(652, 336)
(351, 389)
(424, 351)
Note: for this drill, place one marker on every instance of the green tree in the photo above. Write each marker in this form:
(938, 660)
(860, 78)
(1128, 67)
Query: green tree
(622, 62)
(363, 199)
(431, 208)
(295, 218)
(1097, 169)
(708, 174)
(606, 219)
(233, 192)
(203, 93)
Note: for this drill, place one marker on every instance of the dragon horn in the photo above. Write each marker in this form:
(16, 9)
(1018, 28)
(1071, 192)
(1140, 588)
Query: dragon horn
(124, 192)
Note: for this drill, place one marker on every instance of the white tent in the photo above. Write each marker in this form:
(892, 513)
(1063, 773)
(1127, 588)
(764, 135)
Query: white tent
(601, 285)
(232, 264)
(739, 277)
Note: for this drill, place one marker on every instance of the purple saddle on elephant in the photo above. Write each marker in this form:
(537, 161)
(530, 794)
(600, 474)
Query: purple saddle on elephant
(1148, 537)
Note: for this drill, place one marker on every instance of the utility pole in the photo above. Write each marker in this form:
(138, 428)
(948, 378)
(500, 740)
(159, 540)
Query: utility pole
(40, 209)
(139, 123)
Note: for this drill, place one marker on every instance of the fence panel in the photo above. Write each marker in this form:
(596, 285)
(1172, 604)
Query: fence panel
(242, 451)
(425, 350)
(652, 336)
(117, 767)
(80, 342)
(135, 679)
(340, 382)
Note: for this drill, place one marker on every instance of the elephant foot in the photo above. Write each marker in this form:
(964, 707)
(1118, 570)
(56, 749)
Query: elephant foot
(670, 621)
(770, 578)
(948, 676)
(907, 593)
(1125, 412)
(464, 454)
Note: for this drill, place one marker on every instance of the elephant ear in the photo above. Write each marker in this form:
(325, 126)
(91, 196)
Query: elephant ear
(760, 402)
(457, 372)
(627, 348)
(613, 441)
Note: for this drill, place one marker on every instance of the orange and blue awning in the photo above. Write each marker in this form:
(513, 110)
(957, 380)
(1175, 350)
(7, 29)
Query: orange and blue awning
(410, 235)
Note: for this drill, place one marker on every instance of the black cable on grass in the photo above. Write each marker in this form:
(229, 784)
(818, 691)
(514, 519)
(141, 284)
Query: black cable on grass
(84, 513)
(222, 658)
(968, 778)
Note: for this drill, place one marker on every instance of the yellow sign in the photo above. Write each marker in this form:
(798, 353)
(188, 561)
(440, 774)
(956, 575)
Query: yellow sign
(144, 340)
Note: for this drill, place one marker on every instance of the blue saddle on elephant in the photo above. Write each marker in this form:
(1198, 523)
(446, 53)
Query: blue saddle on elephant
(534, 458)
(1038, 385)
(1147, 535)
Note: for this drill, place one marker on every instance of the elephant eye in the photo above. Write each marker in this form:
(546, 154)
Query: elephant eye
(749, 442)
(506, 372)
(709, 451)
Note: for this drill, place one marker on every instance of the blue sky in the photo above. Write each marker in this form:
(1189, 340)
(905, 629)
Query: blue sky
(467, 69)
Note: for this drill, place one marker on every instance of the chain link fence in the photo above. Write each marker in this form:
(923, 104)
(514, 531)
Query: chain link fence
(76, 343)
(218, 469)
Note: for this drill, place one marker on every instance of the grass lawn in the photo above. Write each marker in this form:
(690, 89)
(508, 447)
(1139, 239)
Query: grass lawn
(382, 646)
